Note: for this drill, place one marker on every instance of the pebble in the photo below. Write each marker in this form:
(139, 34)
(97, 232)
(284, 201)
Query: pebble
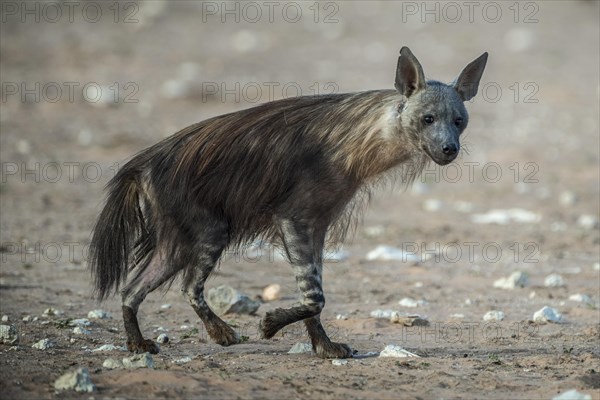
(547, 314)
(493, 316)
(162, 338)
(342, 317)
(339, 361)
(388, 253)
(29, 318)
(271, 292)
(78, 380)
(596, 266)
(9, 334)
(503, 217)
(572, 395)
(581, 298)
(387, 314)
(182, 360)
(392, 350)
(226, 300)
(408, 319)
(108, 347)
(50, 312)
(587, 221)
(408, 302)
(567, 198)
(111, 363)
(78, 330)
(139, 361)
(301, 348)
(98, 314)
(80, 322)
(5, 318)
(165, 306)
(516, 279)
(554, 280)
(44, 344)
(432, 205)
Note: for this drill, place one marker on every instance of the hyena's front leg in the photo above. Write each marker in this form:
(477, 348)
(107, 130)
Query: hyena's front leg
(304, 246)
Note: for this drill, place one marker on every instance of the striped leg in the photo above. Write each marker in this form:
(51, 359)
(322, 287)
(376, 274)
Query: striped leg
(304, 246)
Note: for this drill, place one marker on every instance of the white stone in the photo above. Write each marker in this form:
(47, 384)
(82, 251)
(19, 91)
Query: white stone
(300, 348)
(78, 330)
(339, 361)
(98, 314)
(27, 318)
(388, 253)
(9, 334)
(572, 395)
(493, 316)
(547, 314)
(51, 312)
(408, 302)
(78, 380)
(503, 217)
(162, 338)
(109, 347)
(581, 298)
(182, 360)
(43, 344)
(226, 300)
(342, 317)
(80, 322)
(554, 280)
(139, 361)
(272, 292)
(387, 314)
(587, 221)
(596, 266)
(567, 198)
(516, 279)
(432, 205)
(111, 363)
(5, 318)
(165, 306)
(392, 350)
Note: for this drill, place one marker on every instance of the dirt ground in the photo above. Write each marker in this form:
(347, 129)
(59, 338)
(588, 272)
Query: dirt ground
(84, 88)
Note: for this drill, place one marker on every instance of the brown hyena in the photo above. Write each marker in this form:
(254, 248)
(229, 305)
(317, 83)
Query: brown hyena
(290, 171)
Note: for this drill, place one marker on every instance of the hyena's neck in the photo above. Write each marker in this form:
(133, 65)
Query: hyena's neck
(366, 138)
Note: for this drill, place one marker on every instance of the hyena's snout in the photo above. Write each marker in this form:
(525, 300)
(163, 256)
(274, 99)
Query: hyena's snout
(443, 150)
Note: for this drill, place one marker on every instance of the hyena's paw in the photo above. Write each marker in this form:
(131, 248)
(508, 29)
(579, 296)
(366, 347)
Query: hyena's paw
(270, 324)
(147, 346)
(333, 350)
(223, 334)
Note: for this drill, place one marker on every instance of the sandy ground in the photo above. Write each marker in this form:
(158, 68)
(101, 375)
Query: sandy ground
(532, 144)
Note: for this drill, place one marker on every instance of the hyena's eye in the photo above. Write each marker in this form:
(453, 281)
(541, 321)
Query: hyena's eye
(428, 119)
(458, 122)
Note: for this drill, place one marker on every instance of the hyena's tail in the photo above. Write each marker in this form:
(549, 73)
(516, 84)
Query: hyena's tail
(121, 236)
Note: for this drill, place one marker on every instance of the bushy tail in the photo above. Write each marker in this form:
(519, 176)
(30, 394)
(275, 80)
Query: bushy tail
(118, 233)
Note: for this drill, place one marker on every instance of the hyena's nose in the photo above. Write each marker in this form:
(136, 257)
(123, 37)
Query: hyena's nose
(450, 149)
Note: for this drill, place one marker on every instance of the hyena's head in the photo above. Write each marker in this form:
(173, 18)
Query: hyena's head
(433, 114)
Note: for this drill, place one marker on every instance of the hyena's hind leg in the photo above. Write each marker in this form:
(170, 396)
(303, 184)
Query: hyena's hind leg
(210, 245)
(304, 245)
(153, 276)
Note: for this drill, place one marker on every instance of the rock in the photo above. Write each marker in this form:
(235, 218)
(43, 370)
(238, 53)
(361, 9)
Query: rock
(554, 280)
(165, 306)
(78, 330)
(78, 380)
(44, 344)
(271, 292)
(111, 363)
(387, 314)
(547, 314)
(5, 318)
(300, 348)
(516, 279)
(162, 338)
(342, 317)
(408, 319)
(9, 334)
(582, 298)
(339, 361)
(387, 253)
(27, 318)
(567, 198)
(493, 316)
(587, 221)
(98, 314)
(392, 350)
(182, 360)
(139, 361)
(572, 395)
(80, 322)
(109, 347)
(503, 217)
(51, 312)
(408, 302)
(596, 266)
(226, 300)
(432, 205)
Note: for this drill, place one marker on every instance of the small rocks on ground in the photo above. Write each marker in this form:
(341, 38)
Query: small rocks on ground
(342, 317)
(409, 319)
(52, 312)
(339, 361)
(554, 280)
(515, 280)
(392, 350)
(44, 344)
(98, 314)
(587, 221)
(408, 302)
(300, 348)
(78, 380)
(9, 334)
(5, 318)
(271, 292)
(162, 338)
(567, 198)
(503, 217)
(29, 318)
(78, 330)
(144, 360)
(572, 395)
(432, 205)
(388, 253)
(109, 347)
(581, 298)
(547, 314)
(165, 306)
(80, 322)
(226, 300)
(182, 360)
(111, 363)
(493, 316)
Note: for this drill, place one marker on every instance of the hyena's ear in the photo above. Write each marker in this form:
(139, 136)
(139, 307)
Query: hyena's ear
(467, 82)
(409, 73)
